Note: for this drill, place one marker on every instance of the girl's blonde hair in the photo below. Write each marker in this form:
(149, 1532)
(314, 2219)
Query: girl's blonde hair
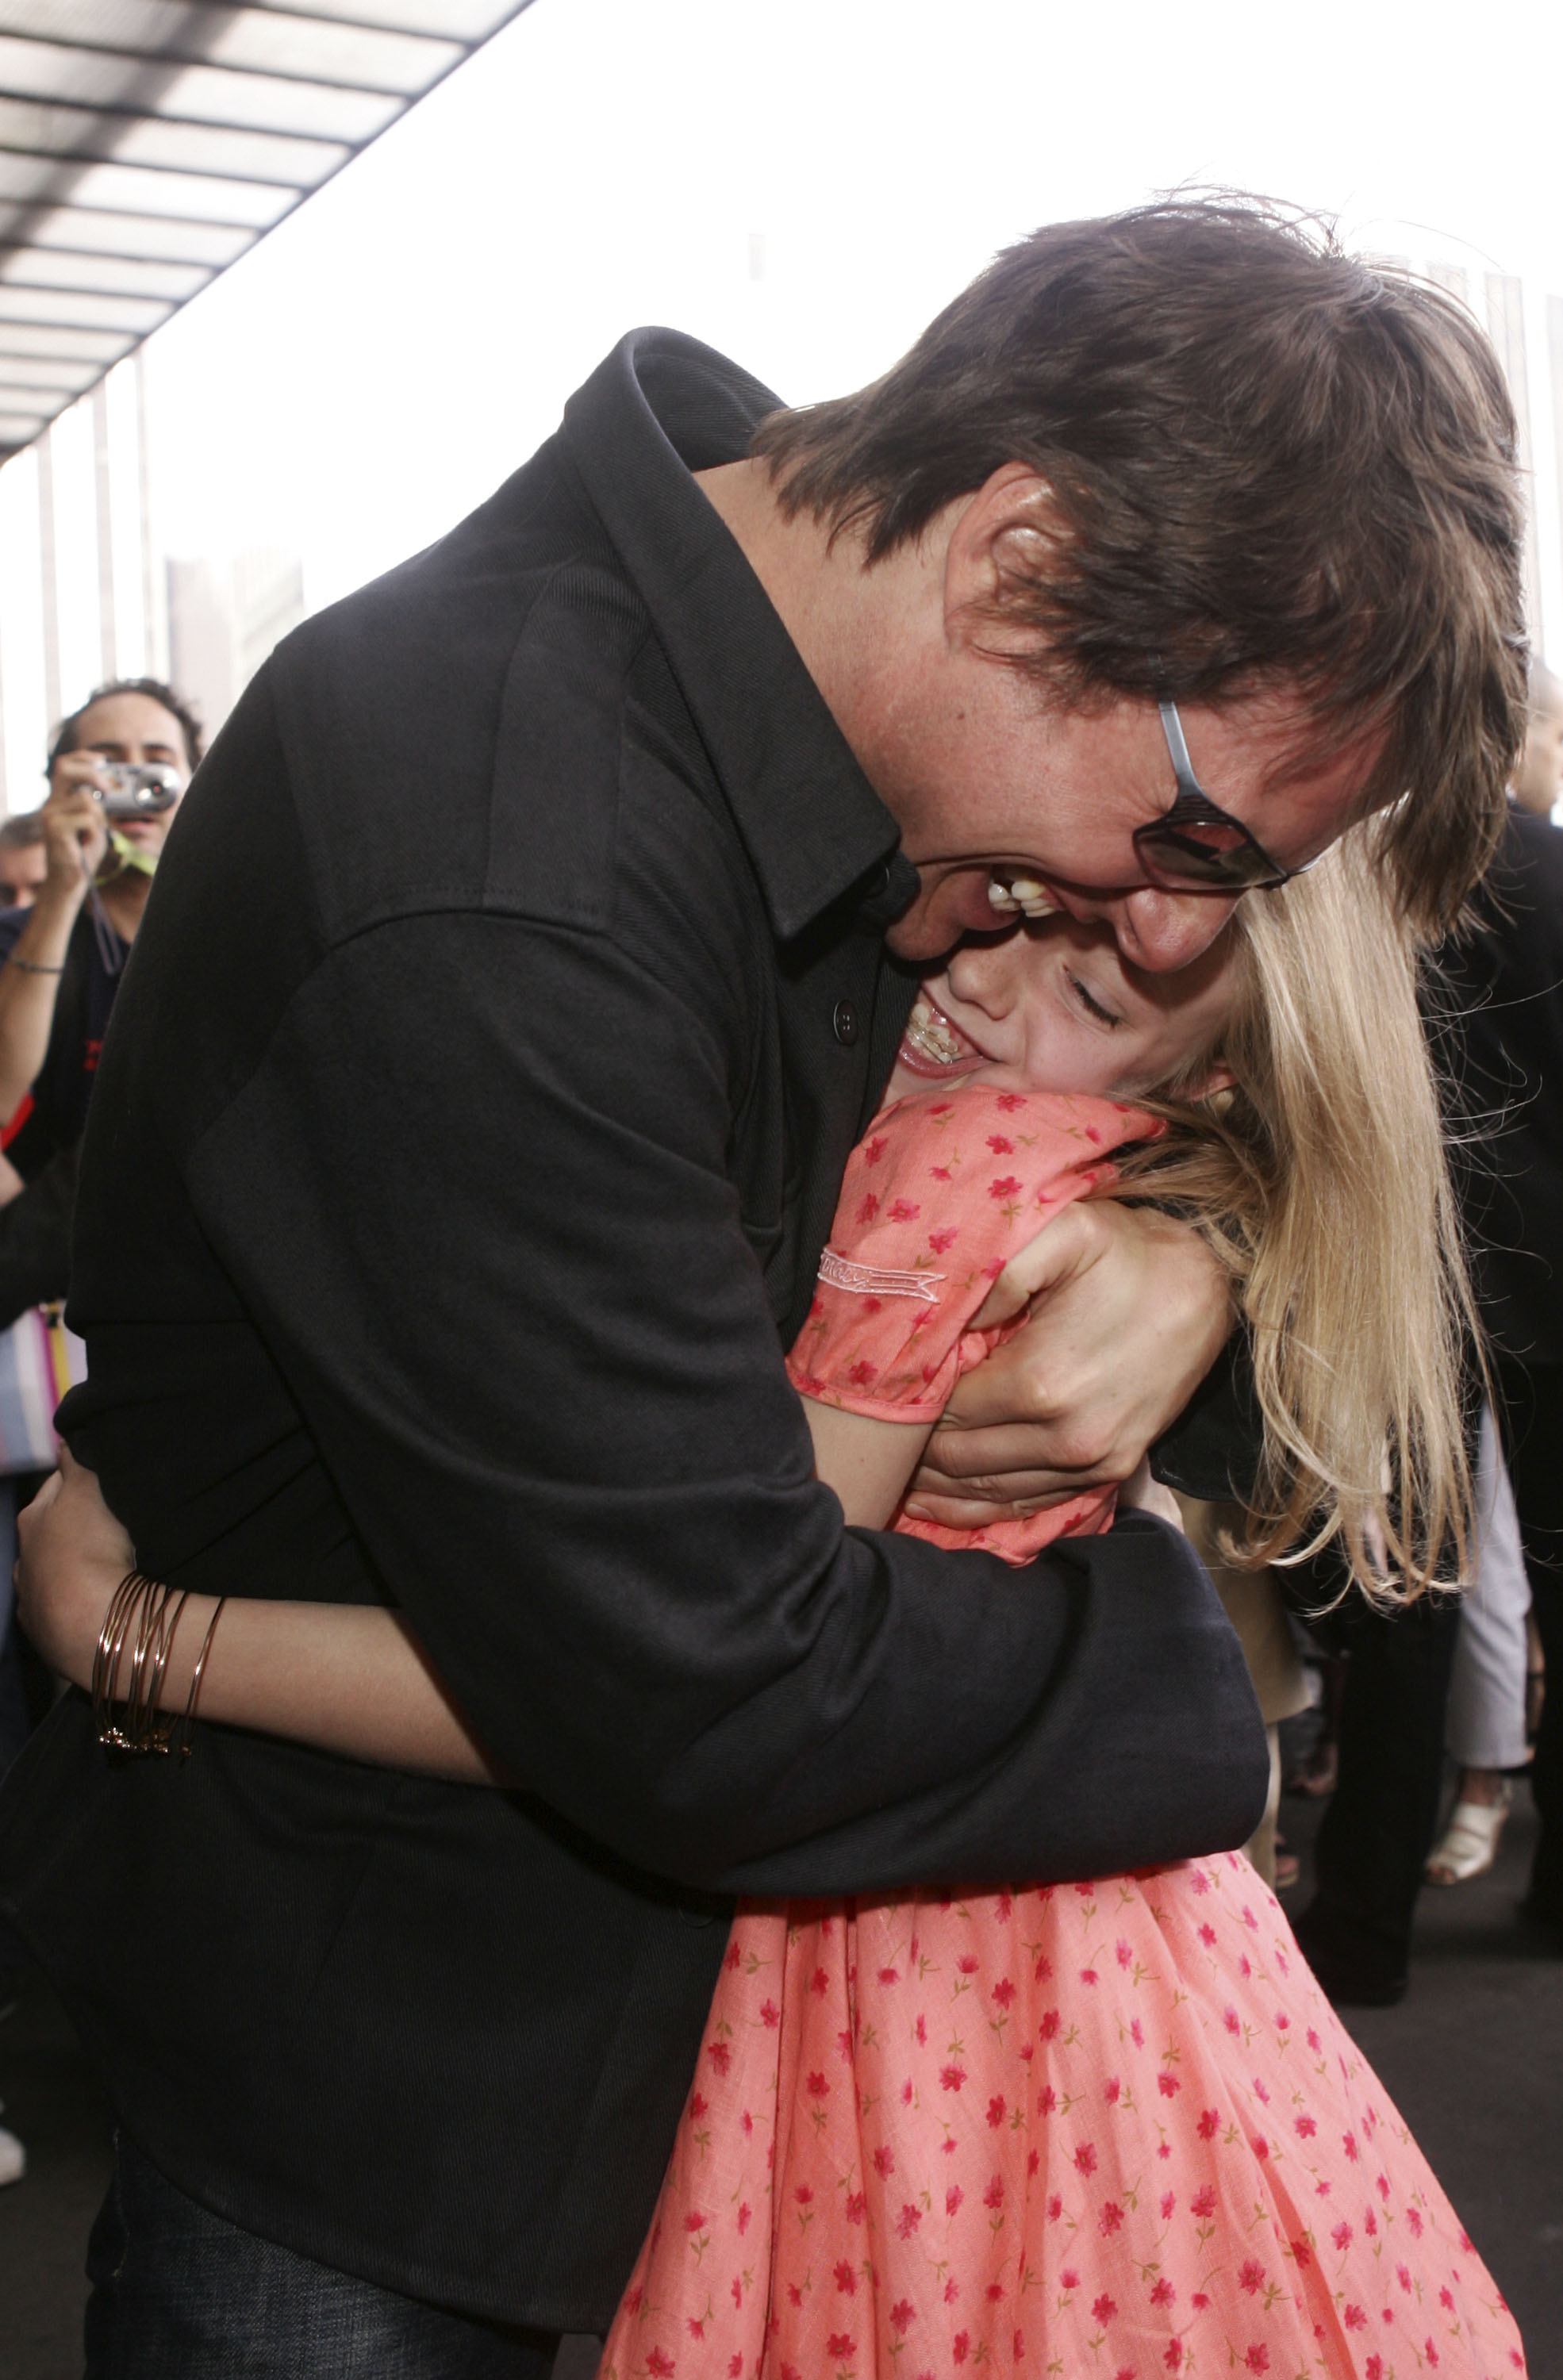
(1320, 1179)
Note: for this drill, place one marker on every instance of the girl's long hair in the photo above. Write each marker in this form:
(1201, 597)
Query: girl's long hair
(1320, 1179)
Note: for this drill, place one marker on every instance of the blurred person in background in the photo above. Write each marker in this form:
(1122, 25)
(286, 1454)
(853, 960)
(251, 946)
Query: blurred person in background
(1497, 1016)
(84, 860)
(61, 958)
(117, 770)
(1537, 783)
(77, 873)
(1484, 1728)
(24, 860)
(1506, 981)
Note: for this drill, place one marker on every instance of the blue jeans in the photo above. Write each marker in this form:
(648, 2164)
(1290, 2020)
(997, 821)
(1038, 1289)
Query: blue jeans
(180, 2294)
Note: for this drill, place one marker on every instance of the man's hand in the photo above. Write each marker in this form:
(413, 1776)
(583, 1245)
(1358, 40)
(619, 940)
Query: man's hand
(74, 827)
(74, 1554)
(1129, 1310)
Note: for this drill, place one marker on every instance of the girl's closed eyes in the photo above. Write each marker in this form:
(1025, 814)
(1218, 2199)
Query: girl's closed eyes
(1051, 1005)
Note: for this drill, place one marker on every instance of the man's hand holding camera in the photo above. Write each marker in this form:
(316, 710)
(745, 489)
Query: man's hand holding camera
(90, 797)
(75, 829)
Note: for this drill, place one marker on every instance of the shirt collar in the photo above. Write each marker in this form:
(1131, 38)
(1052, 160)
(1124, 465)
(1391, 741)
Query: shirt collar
(659, 407)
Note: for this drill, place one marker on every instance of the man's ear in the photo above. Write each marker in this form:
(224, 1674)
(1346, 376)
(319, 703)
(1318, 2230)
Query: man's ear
(1005, 538)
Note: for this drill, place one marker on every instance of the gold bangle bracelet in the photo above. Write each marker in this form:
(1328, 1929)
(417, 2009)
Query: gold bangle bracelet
(142, 1620)
(187, 1722)
(111, 1646)
(147, 1730)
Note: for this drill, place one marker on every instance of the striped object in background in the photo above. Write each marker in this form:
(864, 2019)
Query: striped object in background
(40, 1359)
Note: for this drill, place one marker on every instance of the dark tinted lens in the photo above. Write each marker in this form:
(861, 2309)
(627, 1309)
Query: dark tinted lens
(1217, 835)
(1202, 856)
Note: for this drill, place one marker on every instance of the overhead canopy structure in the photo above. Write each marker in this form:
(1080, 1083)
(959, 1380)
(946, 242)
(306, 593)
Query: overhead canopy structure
(145, 144)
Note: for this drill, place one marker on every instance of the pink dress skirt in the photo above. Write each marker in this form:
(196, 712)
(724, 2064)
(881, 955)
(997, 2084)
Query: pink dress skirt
(1111, 2130)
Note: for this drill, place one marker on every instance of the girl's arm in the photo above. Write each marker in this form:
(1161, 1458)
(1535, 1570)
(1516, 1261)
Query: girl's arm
(868, 1462)
(346, 1678)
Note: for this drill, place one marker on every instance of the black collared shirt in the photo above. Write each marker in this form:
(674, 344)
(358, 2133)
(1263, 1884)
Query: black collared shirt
(511, 993)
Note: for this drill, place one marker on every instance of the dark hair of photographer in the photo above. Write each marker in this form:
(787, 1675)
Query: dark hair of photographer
(23, 861)
(117, 771)
(69, 735)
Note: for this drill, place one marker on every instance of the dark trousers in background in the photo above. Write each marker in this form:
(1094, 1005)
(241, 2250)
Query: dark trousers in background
(15, 1719)
(1529, 1409)
(179, 2294)
(1382, 1817)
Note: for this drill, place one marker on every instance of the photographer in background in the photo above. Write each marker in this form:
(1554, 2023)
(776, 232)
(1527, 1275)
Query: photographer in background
(116, 771)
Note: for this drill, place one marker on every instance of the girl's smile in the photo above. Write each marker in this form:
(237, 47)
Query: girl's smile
(1052, 1005)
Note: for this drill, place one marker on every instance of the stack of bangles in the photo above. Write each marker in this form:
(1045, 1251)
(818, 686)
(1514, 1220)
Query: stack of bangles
(137, 1638)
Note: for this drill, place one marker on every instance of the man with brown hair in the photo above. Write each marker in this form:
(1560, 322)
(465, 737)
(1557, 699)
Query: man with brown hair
(441, 1230)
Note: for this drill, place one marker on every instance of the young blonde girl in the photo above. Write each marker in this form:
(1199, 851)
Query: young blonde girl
(1113, 2125)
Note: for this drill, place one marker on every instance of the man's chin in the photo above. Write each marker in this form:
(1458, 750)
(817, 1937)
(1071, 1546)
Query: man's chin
(943, 916)
(918, 939)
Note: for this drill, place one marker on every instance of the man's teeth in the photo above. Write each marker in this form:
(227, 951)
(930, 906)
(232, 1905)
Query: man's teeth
(1024, 895)
(930, 1033)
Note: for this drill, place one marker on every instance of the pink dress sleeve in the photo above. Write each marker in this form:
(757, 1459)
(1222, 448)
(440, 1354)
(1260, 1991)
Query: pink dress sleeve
(934, 1200)
(934, 1203)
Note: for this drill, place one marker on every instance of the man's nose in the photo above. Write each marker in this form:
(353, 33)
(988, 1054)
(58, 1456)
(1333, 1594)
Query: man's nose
(1158, 930)
(981, 973)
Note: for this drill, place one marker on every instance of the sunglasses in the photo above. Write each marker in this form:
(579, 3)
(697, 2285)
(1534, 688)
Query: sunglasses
(1195, 846)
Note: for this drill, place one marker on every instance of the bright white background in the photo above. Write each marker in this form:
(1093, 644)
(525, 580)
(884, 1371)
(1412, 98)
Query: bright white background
(803, 183)
(391, 352)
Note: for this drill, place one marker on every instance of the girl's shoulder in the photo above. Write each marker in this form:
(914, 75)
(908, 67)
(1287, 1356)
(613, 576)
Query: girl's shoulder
(968, 1123)
(935, 1199)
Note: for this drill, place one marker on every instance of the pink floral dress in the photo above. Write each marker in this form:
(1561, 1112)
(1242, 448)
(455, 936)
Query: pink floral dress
(1110, 2130)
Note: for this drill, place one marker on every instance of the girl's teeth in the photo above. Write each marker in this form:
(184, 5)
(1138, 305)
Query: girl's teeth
(931, 1034)
(999, 896)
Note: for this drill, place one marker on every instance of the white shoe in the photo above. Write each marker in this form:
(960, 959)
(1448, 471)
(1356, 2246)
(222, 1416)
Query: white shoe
(13, 2157)
(1470, 1840)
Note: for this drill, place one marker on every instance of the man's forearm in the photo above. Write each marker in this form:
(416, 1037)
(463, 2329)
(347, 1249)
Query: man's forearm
(1142, 1743)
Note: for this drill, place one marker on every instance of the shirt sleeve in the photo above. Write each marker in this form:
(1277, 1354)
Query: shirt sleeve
(934, 1200)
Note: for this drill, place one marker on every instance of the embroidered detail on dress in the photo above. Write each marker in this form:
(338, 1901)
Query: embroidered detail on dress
(878, 1280)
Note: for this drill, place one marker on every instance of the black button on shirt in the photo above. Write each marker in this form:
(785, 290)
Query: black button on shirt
(844, 1025)
(467, 1135)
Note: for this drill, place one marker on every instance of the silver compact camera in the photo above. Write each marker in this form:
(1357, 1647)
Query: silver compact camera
(141, 789)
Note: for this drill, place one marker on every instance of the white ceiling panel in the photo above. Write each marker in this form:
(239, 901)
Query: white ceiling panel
(146, 144)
